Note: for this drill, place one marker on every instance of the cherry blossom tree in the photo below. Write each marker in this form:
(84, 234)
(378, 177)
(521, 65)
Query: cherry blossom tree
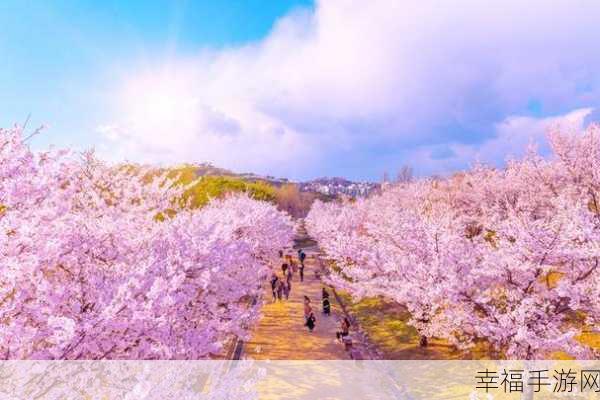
(101, 262)
(507, 256)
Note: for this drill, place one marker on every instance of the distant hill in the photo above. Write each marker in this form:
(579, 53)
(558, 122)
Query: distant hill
(205, 182)
(326, 187)
(209, 169)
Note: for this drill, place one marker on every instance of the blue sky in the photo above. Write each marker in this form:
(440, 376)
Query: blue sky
(297, 89)
(59, 57)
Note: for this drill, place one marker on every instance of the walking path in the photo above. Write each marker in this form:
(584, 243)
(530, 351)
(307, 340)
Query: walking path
(281, 334)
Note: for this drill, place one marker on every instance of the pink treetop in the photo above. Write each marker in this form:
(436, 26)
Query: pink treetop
(509, 256)
(89, 272)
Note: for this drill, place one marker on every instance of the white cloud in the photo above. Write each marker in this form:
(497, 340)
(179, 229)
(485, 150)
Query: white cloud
(512, 138)
(339, 83)
(516, 133)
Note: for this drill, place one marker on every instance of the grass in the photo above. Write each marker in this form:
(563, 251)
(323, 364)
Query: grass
(386, 325)
(591, 339)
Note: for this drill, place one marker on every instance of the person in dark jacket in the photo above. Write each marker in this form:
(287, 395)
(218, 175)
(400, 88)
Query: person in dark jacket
(326, 303)
(310, 321)
(301, 268)
(302, 257)
(326, 306)
(274, 280)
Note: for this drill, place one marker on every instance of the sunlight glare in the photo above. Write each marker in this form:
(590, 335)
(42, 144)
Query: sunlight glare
(156, 101)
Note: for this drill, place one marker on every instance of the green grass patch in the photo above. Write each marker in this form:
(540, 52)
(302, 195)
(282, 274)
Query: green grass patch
(386, 325)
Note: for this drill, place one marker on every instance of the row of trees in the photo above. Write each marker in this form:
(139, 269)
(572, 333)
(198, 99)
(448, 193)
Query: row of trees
(506, 257)
(101, 262)
(297, 203)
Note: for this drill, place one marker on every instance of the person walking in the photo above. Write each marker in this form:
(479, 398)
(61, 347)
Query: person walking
(326, 307)
(344, 329)
(306, 301)
(287, 288)
(301, 269)
(284, 268)
(279, 289)
(309, 315)
(274, 280)
(326, 303)
(310, 321)
(302, 257)
(307, 307)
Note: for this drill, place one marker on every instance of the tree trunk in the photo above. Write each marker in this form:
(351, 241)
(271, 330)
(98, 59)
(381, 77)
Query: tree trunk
(424, 341)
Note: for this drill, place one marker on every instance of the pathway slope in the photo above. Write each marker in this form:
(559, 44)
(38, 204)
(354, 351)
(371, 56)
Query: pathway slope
(281, 334)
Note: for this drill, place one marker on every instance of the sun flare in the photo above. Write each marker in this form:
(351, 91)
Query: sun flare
(156, 101)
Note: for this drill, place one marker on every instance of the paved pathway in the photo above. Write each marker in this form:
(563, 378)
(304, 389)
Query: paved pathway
(281, 334)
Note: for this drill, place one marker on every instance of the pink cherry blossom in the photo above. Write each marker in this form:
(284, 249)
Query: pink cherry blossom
(90, 272)
(508, 256)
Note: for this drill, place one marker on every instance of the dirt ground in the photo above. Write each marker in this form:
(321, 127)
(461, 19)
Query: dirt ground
(281, 334)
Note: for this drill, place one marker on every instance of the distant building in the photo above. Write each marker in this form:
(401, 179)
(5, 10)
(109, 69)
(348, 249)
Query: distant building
(339, 186)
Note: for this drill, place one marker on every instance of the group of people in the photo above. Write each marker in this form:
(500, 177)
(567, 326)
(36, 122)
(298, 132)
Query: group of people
(282, 286)
(309, 317)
